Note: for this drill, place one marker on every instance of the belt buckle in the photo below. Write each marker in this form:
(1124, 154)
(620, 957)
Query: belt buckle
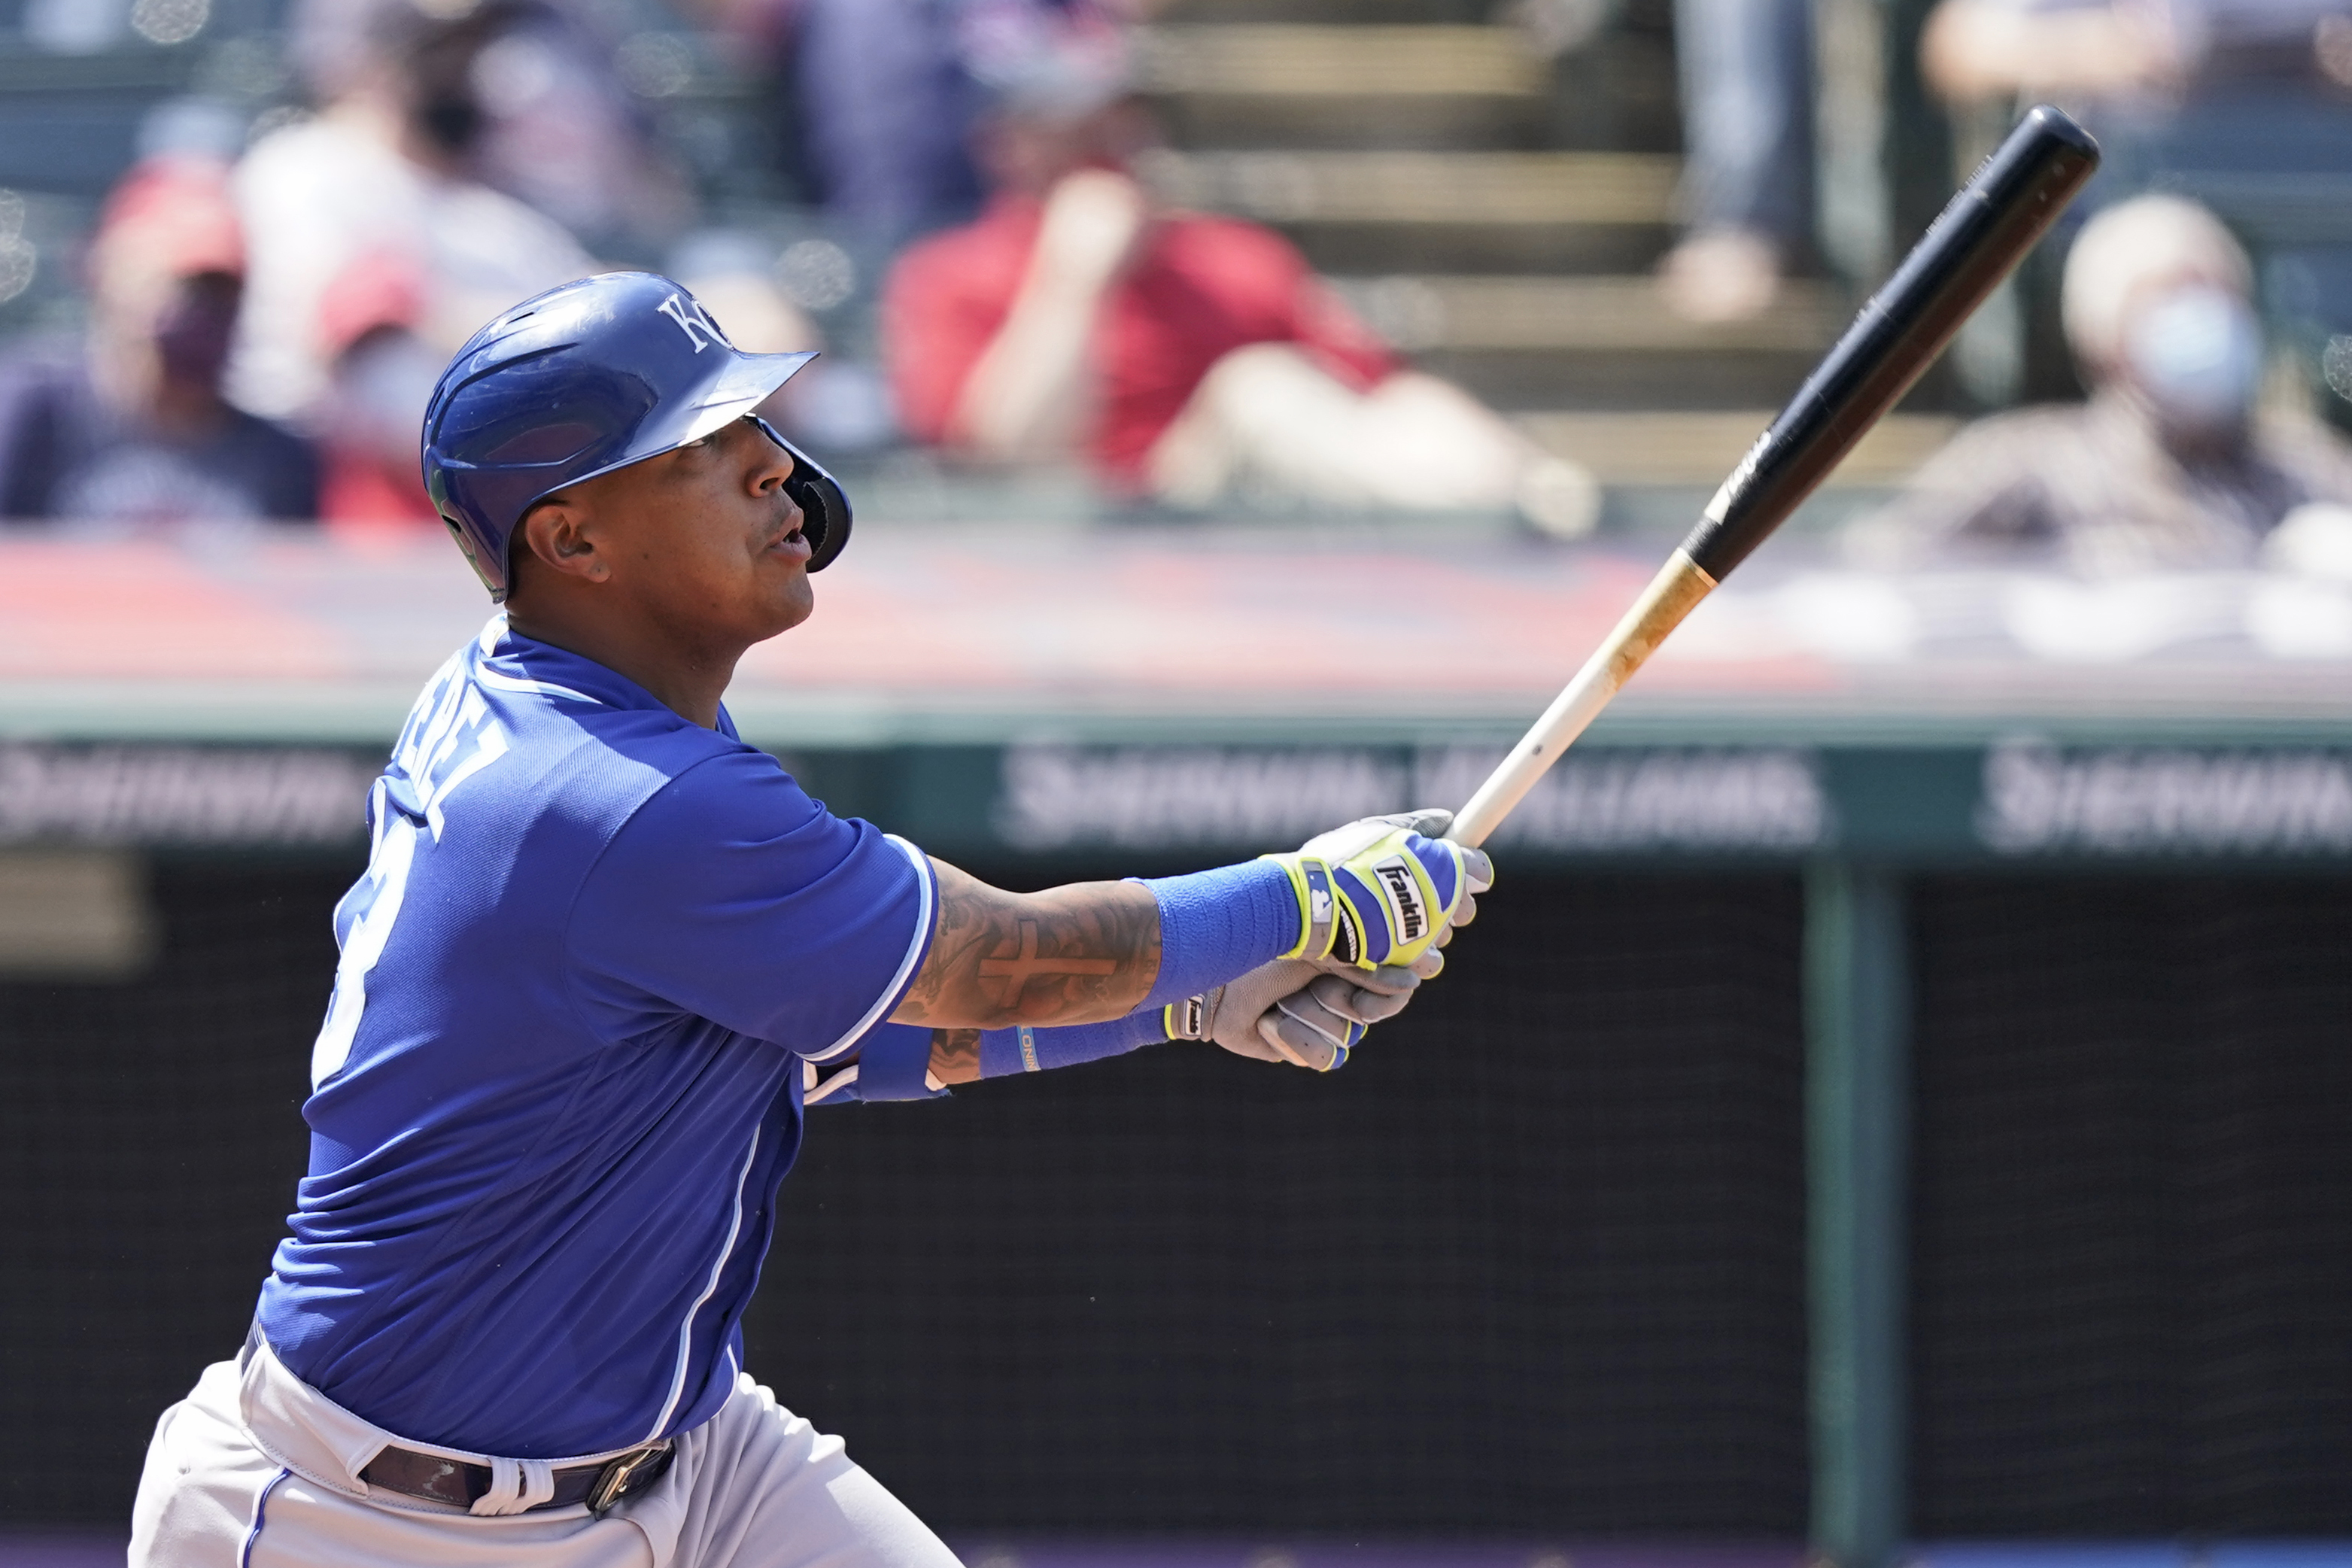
(616, 1475)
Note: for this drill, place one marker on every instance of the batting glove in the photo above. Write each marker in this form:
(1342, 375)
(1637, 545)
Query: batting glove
(1379, 891)
(1295, 1012)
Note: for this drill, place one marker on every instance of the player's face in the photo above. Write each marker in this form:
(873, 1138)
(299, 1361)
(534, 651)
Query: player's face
(708, 539)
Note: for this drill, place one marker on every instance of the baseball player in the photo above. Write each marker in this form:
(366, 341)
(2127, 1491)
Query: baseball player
(603, 956)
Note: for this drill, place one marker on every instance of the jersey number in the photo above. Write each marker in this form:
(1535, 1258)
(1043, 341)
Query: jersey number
(437, 759)
(370, 907)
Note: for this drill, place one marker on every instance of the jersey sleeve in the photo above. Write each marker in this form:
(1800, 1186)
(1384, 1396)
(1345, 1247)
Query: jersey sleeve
(732, 896)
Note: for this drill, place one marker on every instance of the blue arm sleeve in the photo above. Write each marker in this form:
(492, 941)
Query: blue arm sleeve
(1216, 926)
(1025, 1050)
(894, 1061)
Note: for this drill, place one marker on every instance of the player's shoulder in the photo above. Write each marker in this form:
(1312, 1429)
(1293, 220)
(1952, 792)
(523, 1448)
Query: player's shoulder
(720, 799)
(553, 732)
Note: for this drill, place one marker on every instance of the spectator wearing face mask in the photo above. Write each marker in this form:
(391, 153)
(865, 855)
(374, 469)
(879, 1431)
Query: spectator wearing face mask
(128, 426)
(2170, 464)
(388, 168)
(380, 377)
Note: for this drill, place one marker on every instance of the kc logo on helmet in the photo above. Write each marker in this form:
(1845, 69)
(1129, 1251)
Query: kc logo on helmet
(693, 320)
(1404, 897)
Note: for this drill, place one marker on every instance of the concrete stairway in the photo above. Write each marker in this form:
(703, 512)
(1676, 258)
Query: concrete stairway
(1493, 214)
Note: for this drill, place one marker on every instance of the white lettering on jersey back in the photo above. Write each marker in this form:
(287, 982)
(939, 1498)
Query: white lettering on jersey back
(458, 740)
(449, 738)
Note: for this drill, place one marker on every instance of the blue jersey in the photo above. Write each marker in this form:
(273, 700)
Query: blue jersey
(596, 951)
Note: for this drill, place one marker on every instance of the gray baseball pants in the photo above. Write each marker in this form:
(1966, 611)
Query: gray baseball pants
(257, 1469)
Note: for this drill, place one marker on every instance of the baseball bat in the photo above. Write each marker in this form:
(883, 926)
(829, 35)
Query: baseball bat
(1982, 233)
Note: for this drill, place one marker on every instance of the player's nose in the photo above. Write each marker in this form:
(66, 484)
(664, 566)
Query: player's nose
(775, 457)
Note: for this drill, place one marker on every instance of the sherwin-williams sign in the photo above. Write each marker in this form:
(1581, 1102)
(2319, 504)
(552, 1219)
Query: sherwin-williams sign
(2019, 800)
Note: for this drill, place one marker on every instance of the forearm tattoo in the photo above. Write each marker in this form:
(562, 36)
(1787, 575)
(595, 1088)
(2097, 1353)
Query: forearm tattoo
(1076, 954)
(955, 1056)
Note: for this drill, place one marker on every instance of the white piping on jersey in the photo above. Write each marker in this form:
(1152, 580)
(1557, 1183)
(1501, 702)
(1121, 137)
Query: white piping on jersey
(905, 965)
(841, 1079)
(488, 676)
(709, 1287)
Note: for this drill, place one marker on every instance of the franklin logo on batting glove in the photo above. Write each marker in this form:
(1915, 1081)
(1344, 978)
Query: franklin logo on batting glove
(1403, 901)
(1392, 890)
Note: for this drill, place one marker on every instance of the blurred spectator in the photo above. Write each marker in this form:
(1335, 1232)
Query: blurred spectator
(1746, 194)
(530, 93)
(839, 403)
(131, 426)
(2116, 51)
(1189, 357)
(380, 377)
(2246, 105)
(2170, 464)
(385, 170)
(884, 94)
(885, 110)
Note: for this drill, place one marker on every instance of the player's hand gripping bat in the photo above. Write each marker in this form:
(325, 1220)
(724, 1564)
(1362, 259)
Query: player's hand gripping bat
(1982, 234)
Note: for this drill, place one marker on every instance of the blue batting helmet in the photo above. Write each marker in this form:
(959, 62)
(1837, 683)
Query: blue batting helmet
(586, 378)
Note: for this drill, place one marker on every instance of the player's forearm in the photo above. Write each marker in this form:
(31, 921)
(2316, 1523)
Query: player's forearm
(965, 1056)
(1095, 952)
(1083, 953)
(955, 1056)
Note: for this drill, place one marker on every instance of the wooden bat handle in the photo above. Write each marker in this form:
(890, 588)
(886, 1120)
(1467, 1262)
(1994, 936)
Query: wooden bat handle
(1673, 594)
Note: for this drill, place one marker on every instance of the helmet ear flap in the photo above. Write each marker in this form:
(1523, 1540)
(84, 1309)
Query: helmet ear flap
(825, 508)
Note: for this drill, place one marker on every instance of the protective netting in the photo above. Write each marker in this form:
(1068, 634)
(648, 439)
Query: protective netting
(150, 1140)
(2132, 1288)
(1532, 1264)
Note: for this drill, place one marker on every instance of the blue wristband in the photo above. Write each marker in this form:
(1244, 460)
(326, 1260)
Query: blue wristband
(1029, 1049)
(894, 1062)
(1216, 926)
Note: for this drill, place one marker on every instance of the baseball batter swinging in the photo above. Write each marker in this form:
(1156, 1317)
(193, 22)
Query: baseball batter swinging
(603, 956)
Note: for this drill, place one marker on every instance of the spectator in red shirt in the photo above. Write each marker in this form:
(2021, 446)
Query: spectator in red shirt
(1188, 357)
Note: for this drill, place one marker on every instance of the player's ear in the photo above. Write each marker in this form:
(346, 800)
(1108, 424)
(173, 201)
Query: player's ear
(557, 533)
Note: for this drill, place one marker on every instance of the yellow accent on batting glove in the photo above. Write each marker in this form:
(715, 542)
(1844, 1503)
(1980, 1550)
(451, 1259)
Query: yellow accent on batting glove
(1380, 891)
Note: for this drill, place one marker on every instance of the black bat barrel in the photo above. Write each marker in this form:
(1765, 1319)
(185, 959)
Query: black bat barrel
(1983, 232)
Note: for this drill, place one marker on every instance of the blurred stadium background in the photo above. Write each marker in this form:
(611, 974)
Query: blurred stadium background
(1893, 1108)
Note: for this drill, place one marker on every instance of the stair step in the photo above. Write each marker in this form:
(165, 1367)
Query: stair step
(1592, 314)
(1353, 63)
(1504, 190)
(1698, 449)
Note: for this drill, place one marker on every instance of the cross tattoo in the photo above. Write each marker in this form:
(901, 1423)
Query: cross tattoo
(1017, 971)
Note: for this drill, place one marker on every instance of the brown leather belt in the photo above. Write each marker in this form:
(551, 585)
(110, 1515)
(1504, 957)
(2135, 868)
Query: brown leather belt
(456, 1482)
